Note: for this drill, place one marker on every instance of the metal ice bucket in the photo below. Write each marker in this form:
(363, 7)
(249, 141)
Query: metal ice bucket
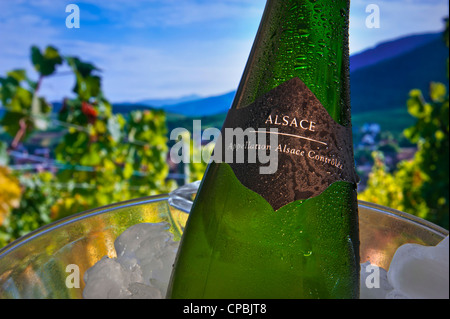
(38, 265)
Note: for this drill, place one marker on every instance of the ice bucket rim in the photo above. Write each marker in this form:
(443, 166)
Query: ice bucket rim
(165, 197)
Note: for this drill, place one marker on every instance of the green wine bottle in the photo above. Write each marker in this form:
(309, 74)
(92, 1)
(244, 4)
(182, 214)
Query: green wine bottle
(291, 233)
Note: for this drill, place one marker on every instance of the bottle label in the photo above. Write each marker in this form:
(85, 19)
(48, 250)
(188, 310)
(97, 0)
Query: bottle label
(286, 147)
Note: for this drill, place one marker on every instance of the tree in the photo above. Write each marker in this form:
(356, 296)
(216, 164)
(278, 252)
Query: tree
(109, 158)
(102, 158)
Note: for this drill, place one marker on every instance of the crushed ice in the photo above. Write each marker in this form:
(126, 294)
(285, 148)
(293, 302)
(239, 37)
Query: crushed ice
(146, 252)
(415, 272)
(145, 255)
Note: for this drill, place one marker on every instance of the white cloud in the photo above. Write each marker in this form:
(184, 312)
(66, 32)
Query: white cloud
(18, 35)
(133, 73)
(139, 63)
(133, 70)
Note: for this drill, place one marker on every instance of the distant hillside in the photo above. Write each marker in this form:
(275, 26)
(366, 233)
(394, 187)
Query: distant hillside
(381, 80)
(180, 121)
(117, 108)
(161, 103)
(381, 77)
(391, 49)
(386, 85)
(127, 108)
(204, 107)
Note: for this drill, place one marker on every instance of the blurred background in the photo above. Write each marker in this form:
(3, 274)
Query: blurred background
(90, 91)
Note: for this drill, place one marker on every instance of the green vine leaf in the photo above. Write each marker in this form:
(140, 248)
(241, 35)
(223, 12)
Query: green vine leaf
(45, 63)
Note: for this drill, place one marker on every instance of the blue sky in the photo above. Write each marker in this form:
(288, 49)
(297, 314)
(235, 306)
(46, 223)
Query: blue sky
(172, 48)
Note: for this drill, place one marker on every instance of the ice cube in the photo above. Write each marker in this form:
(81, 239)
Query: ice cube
(152, 248)
(395, 294)
(143, 291)
(142, 269)
(420, 272)
(374, 282)
(107, 279)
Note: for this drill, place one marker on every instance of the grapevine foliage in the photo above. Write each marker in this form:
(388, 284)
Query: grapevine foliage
(101, 158)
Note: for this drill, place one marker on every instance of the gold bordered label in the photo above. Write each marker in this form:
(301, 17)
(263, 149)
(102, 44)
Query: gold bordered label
(313, 151)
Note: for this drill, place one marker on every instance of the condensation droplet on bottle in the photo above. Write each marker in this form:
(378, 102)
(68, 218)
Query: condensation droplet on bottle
(300, 67)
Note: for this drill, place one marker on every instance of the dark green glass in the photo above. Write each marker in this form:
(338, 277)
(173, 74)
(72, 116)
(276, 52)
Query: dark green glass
(235, 245)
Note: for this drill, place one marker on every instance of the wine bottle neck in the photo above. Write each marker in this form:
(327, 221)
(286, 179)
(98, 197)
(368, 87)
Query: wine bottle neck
(304, 39)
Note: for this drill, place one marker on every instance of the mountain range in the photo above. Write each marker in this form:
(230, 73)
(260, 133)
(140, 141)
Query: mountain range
(164, 103)
(381, 79)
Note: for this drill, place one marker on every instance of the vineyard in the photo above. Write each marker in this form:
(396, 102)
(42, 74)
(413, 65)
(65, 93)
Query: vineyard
(95, 157)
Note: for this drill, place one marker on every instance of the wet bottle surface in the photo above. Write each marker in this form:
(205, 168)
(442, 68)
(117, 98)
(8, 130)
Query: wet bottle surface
(246, 241)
